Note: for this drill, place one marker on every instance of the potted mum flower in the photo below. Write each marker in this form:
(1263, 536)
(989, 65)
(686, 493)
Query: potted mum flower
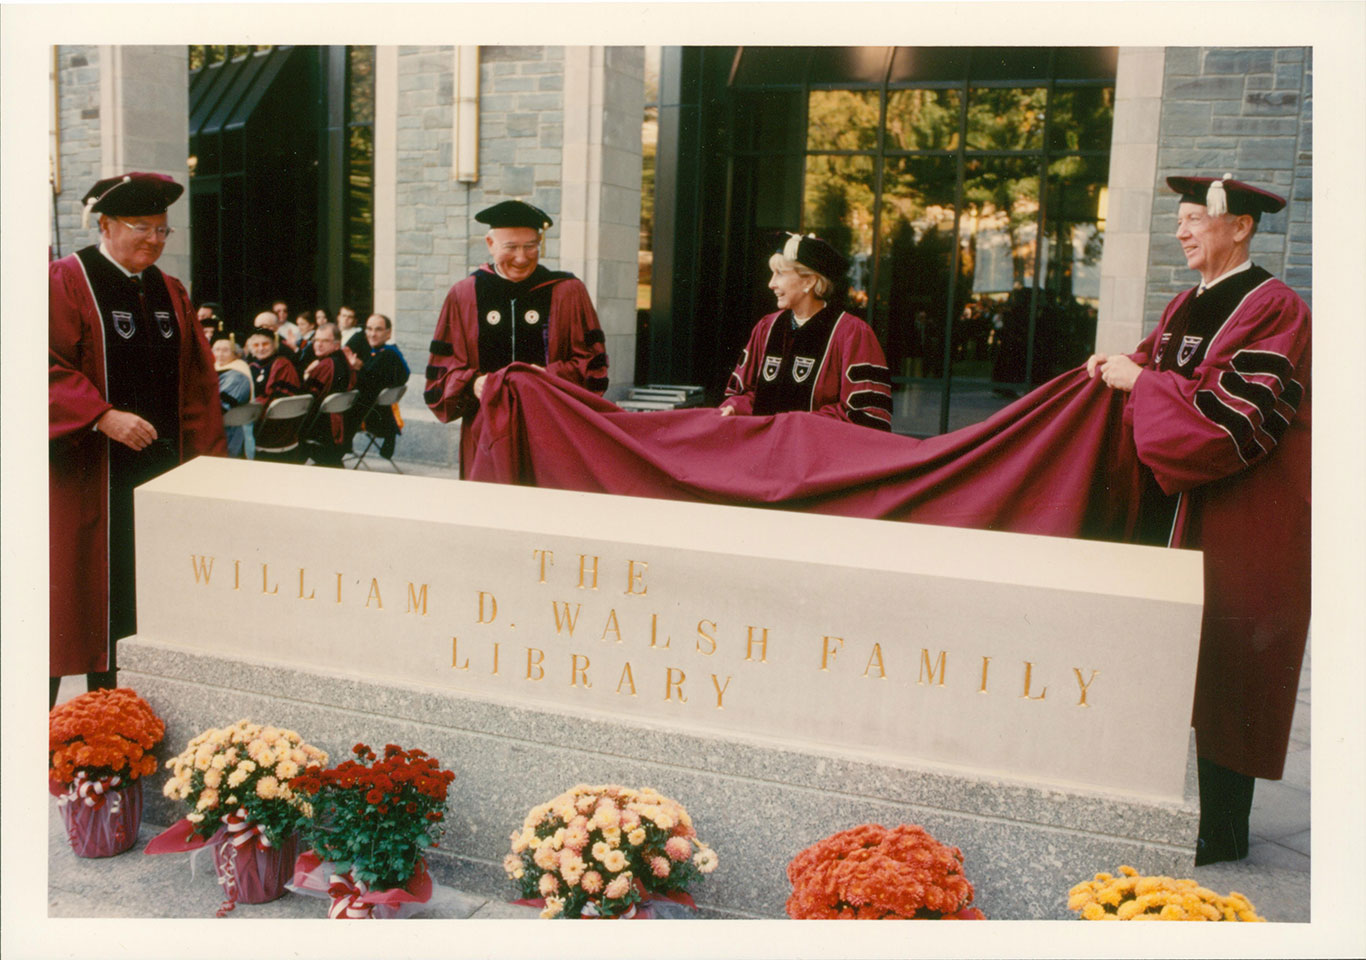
(237, 782)
(872, 873)
(375, 817)
(99, 747)
(604, 851)
(1133, 897)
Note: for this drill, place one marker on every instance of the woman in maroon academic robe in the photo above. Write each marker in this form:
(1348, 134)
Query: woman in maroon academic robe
(810, 355)
(273, 376)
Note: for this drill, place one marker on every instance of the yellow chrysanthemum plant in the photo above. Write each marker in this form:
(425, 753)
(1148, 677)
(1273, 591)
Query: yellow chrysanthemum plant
(242, 773)
(602, 851)
(1130, 896)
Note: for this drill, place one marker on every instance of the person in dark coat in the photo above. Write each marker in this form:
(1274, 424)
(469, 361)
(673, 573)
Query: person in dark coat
(380, 365)
(1219, 406)
(131, 393)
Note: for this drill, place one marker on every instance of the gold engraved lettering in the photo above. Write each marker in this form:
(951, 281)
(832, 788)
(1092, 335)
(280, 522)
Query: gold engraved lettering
(374, 594)
(709, 637)
(577, 670)
(672, 683)
(339, 576)
(544, 555)
(1029, 669)
(535, 663)
(455, 659)
(265, 581)
(876, 657)
(627, 677)
(237, 574)
(417, 599)
(985, 661)
(493, 608)
(720, 690)
(926, 667)
(566, 620)
(583, 560)
(636, 578)
(763, 644)
(495, 658)
(828, 652)
(312, 594)
(654, 632)
(611, 626)
(197, 563)
(1084, 686)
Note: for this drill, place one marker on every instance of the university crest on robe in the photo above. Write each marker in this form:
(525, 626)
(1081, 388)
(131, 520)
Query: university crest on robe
(123, 324)
(801, 368)
(1188, 347)
(164, 324)
(771, 365)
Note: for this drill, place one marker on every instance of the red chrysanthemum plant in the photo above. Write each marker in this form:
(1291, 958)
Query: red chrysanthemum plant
(373, 816)
(873, 873)
(100, 741)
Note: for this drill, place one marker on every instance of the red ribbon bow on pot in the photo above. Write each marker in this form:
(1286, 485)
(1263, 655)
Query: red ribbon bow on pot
(93, 793)
(346, 893)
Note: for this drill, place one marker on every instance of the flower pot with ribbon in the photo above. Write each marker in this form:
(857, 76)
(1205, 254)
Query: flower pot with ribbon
(352, 899)
(102, 815)
(250, 868)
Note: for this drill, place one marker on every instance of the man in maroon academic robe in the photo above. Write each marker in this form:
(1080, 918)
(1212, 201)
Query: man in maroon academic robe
(131, 393)
(511, 309)
(329, 374)
(1219, 404)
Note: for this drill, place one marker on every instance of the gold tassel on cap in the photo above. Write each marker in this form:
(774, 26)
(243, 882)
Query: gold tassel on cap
(1216, 200)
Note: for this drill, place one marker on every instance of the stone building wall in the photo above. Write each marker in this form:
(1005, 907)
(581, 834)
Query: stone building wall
(78, 84)
(1248, 112)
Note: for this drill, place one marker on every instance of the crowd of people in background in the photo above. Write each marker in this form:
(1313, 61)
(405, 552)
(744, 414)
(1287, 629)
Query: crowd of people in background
(309, 355)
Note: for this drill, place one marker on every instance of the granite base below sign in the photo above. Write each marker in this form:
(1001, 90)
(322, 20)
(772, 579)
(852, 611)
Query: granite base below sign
(756, 803)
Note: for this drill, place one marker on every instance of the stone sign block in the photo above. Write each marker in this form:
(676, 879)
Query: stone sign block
(1036, 659)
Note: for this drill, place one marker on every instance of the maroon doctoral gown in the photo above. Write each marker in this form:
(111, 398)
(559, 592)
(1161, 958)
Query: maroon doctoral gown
(331, 374)
(831, 365)
(552, 306)
(1221, 416)
(78, 469)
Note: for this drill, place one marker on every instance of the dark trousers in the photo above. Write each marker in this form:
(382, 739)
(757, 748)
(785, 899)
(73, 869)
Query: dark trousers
(1225, 805)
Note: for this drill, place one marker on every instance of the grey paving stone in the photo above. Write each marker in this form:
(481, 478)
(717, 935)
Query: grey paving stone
(1299, 842)
(1279, 810)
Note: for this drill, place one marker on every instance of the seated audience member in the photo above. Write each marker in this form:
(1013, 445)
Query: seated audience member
(348, 332)
(209, 320)
(273, 376)
(266, 320)
(328, 374)
(307, 327)
(378, 366)
(235, 387)
(287, 331)
(810, 355)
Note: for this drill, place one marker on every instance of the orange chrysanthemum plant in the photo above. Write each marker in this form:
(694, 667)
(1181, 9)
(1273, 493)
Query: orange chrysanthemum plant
(102, 734)
(873, 873)
(1133, 897)
(99, 745)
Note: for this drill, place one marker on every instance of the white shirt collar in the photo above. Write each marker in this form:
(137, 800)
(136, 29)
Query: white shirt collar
(1245, 265)
(122, 269)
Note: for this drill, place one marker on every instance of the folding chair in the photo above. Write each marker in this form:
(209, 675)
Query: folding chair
(243, 415)
(330, 404)
(277, 434)
(386, 398)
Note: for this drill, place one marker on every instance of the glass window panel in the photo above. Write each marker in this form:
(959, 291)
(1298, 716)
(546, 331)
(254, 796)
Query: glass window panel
(838, 207)
(1009, 63)
(1069, 298)
(915, 263)
(772, 65)
(842, 120)
(1009, 118)
(1085, 63)
(910, 64)
(923, 119)
(360, 80)
(848, 64)
(998, 237)
(769, 121)
(1081, 118)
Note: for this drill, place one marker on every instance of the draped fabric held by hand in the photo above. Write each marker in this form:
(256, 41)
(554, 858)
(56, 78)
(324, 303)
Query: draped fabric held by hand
(1058, 461)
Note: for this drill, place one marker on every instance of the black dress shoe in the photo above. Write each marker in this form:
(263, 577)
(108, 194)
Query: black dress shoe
(1210, 851)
